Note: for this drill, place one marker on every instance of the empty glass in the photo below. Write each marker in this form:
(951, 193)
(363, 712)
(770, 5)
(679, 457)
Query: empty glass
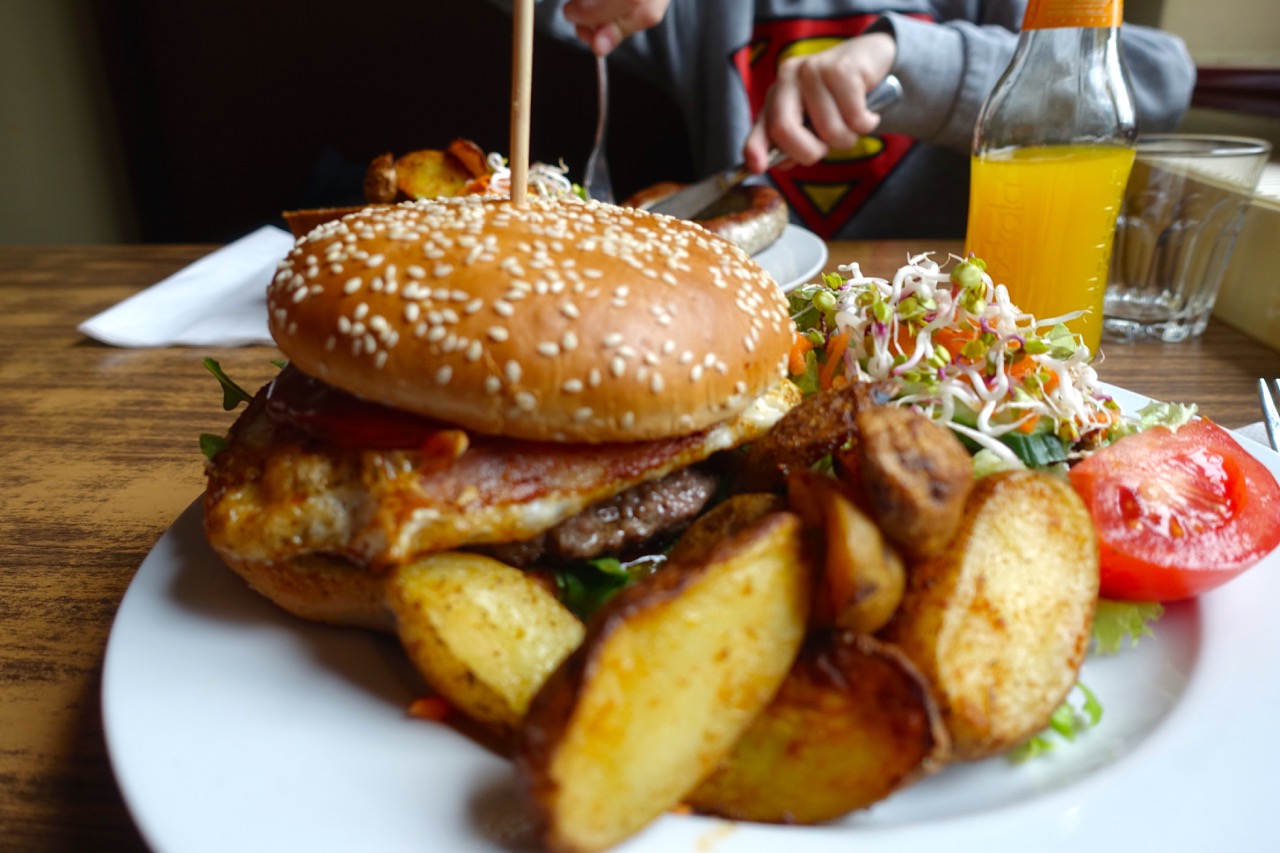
(1183, 207)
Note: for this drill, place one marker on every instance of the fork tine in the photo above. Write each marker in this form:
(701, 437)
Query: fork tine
(1269, 414)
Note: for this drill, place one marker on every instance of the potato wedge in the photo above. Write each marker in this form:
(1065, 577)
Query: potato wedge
(999, 622)
(853, 722)
(380, 180)
(672, 670)
(728, 518)
(862, 577)
(429, 174)
(914, 476)
(483, 634)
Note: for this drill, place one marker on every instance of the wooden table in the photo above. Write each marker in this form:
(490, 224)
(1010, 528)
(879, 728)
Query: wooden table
(98, 448)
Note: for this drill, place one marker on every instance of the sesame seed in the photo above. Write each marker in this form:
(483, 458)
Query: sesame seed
(572, 386)
(380, 360)
(435, 334)
(526, 401)
(411, 312)
(443, 375)
(628, 419)
(492, 385)
(549, 348)
(569, 310)
(513, 371)
(416, 271)
(569, 342)
(442, 270)
(594, 377)
(362, 311)
(374, 260)
(503, 308)
(612, 339)
(583, 415)
(352, 285)
(696, 374)
(498, 333)
(656, 383)
(617, 366)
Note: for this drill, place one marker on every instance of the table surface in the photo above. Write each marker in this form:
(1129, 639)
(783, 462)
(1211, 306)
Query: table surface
(99, 452)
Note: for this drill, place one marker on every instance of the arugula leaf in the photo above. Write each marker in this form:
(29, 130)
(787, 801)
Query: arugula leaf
(232, 394)
(1115, 620)
(585, 587)
(211, 445)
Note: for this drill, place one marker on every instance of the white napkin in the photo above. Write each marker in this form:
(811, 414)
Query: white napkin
(220, 300)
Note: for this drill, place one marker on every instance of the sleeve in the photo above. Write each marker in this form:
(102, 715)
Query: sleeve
(947, 68)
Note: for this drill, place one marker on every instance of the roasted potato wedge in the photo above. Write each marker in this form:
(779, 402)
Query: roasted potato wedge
(730, 517)
(862, 577)
(484, 635)
(816, 426)
(914, 476)
(852, 723)
(999, 621)
(672, 671)
(430, 174)
(380, 180)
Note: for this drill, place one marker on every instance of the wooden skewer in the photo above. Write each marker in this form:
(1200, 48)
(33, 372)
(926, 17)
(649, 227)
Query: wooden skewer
(521, 93)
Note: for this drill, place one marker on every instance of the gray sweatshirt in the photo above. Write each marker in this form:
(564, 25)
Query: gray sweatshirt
(716, 59)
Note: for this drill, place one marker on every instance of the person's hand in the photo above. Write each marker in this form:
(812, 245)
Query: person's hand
(830, 90)
(603, 24)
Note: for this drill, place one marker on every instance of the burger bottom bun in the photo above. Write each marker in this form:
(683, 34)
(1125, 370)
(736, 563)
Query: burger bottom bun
(751, 216)
(321, 588)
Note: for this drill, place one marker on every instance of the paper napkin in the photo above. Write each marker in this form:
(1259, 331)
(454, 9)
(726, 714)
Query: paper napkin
(220, 300)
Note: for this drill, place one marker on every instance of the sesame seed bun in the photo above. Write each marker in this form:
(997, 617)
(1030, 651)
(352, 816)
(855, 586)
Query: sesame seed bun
(556, 320)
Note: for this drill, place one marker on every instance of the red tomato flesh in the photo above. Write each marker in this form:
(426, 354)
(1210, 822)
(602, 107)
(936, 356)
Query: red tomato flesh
(1177, 513)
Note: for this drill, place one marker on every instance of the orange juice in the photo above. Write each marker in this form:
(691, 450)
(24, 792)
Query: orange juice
(1043, 218)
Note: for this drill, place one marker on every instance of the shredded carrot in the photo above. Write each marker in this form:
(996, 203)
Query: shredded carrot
(433, 708)
(799, 347)
(682, 808)
(1029, 425)
(835, 354)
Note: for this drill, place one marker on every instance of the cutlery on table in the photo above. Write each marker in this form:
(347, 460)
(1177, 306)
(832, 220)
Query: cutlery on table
(1270, 415)
(596, 177)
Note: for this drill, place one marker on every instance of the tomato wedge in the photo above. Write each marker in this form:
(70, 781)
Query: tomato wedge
(1177, 512)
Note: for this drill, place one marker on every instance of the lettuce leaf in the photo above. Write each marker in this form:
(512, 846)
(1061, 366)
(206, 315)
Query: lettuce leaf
(1113, 621)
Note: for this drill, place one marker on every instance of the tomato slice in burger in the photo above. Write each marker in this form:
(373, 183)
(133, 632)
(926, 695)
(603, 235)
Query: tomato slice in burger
(1177, 512)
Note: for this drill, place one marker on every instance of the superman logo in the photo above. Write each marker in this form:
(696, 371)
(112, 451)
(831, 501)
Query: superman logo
(827, 193)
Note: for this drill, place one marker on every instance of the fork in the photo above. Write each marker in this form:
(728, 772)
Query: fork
(1269, 413)
(596, 177)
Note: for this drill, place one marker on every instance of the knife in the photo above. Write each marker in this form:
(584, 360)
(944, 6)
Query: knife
(696, 198)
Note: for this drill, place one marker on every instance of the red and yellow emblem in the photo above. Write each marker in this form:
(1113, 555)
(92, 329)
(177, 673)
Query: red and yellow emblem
(827, 193)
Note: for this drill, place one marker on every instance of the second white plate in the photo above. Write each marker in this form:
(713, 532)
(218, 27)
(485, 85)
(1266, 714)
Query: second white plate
(795, 258)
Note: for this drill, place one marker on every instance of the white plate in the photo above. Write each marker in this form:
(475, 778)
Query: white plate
(232, 726)
(795, 258)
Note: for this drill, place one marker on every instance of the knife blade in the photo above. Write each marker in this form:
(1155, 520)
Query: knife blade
(696, 198)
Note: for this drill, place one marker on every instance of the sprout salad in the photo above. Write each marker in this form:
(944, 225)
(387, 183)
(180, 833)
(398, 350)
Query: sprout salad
(951, 344)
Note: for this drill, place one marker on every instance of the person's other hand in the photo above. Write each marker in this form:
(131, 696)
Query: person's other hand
(828, 88)
(603, 24)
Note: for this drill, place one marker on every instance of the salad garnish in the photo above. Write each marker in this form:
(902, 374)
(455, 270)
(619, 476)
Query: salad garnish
(952, 345)
(545, 179)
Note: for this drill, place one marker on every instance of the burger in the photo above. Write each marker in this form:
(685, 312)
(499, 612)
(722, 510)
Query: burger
(546, 382)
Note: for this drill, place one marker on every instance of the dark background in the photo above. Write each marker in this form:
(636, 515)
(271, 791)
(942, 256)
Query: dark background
(230, 112)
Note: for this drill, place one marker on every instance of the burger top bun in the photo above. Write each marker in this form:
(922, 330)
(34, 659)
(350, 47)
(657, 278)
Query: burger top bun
(557, 320)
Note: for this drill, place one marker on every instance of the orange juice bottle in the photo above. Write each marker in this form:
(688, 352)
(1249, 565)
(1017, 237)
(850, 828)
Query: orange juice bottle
(1051, 154)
